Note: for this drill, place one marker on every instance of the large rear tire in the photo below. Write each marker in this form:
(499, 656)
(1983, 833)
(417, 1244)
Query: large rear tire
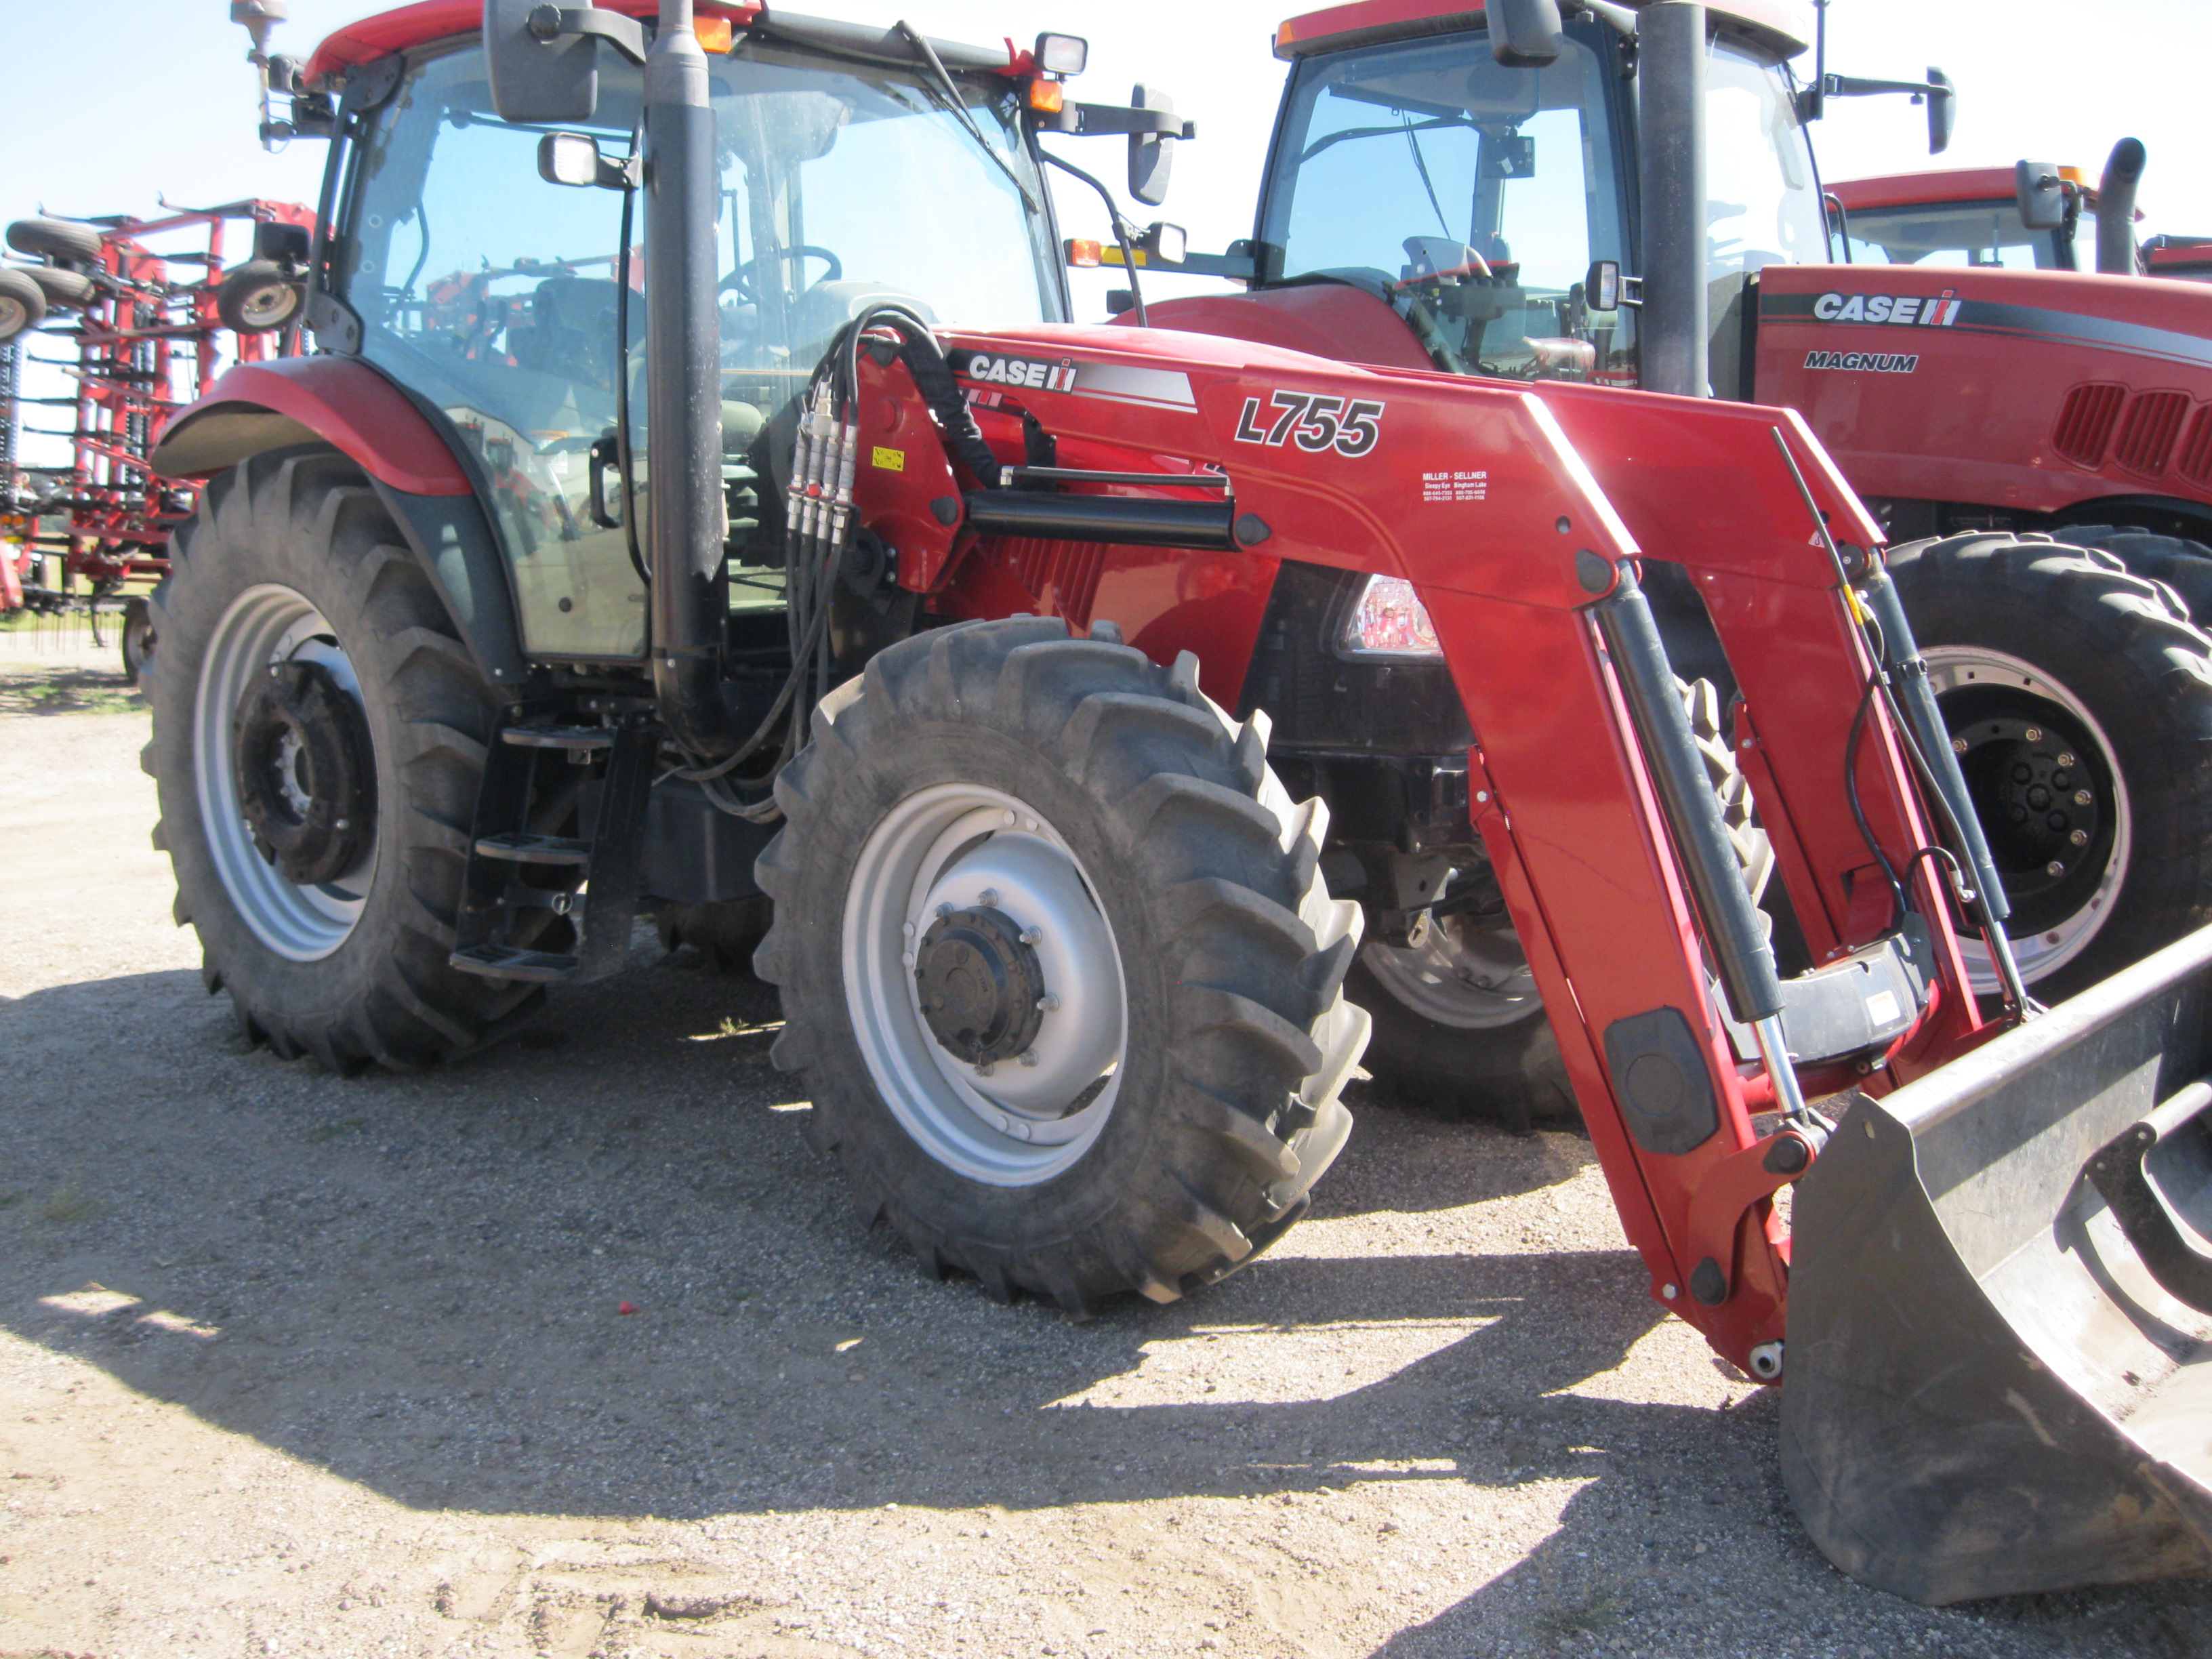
(1459, 1022)
(1058, 962)
(366, 753)
(2079, 698)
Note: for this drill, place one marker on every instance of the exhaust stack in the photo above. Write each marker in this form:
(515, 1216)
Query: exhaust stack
(1670, 95)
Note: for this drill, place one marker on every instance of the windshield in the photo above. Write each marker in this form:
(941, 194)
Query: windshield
(1957, 233)
(1471, 195)
(496, 295)
(1762, 198)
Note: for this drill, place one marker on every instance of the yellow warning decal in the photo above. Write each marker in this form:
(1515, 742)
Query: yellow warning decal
(891, 461)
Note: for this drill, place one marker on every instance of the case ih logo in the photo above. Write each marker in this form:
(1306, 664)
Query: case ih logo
(1939, 311)
(1019, 371)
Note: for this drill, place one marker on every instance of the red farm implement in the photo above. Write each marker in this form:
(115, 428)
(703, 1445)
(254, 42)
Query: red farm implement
(140, 315)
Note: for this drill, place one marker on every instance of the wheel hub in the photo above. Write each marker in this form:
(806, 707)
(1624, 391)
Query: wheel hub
(306, 782)
(981, 986)
(2043, 806)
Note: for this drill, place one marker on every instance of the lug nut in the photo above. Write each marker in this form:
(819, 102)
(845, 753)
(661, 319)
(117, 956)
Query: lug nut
(989, 898)
(1032, 935)
(1958, 746)
(1029, 1056)
(2080, 837)
(2033, 734)
(2082, 797)
(2065, 757)
(984, 1068)
(943, 911)
(2054, 868)
(1048, 1003)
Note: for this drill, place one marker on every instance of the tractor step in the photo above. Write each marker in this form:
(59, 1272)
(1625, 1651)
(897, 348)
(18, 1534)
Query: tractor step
(516, 847)
(514, 962)
(575, 740)
(526, 887)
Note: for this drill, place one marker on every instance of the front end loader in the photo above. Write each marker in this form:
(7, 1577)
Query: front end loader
(852, 592)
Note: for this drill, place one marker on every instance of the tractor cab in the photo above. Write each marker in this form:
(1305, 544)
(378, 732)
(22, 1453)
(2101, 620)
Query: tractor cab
(1474, 195)
(517, 304)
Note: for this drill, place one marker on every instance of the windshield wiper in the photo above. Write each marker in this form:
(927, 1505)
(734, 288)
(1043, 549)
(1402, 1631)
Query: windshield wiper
(946, 96)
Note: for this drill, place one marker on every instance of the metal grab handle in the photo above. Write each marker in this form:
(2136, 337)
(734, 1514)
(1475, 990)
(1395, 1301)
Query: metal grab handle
(603, 456)
(2182, 1269)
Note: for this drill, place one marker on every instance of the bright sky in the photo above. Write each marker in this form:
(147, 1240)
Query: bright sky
(158, 100)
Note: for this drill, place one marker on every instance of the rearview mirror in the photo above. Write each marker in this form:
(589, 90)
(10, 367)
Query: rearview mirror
(1151, 154)
(1942, 108)
(1524, 33)
(2042, 195)
(1602, 286)
(1165, 243)
(535, 80)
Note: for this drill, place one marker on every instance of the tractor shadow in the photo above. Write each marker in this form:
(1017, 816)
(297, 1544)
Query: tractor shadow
(414, 1281)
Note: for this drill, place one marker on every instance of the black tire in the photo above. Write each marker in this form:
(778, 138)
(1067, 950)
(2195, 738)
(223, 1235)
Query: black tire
(55, 238)
(1488, 1051)
(23, 303)
(2185, 566)
(65, 290)
(305, 520)
(725, 934)
(1229, 957)
(258, 296)
(137, 632)
(2116, 679)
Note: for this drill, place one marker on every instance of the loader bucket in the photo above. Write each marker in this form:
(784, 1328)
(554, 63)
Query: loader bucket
(1997, 1378)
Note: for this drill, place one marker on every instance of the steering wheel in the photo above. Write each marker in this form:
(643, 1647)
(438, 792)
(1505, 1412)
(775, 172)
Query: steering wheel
(741, 279)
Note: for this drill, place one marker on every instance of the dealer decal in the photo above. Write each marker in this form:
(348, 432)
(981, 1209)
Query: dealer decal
(1875, 362)
(1313, 423)
(1940, 312)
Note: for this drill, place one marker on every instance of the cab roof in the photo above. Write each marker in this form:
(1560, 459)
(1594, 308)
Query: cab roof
(441, 20)
(1949, 185)
(1783, 26)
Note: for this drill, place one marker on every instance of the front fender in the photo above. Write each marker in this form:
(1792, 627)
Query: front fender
(413, 465)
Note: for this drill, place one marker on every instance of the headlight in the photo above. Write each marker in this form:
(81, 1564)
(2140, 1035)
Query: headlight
(1389, 620)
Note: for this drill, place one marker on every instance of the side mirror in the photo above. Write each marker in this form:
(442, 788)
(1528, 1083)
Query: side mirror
(286, 245)
(1151, 154)
(1602, 286)
(1943, 110)
(1164, 243)
(1524, 33)
(538, 75)
(2041, 193)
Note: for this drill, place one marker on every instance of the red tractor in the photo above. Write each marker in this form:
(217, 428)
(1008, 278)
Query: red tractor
(144, 324)
(808, 568)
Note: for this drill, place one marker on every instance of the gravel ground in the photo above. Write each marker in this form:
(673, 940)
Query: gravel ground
(293, 1364)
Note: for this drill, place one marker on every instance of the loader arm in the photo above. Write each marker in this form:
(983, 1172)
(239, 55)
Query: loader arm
(1513, 517)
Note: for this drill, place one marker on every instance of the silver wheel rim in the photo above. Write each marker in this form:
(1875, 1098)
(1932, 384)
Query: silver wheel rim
(1017, 1124)
(1954, 667)
(265, 626)
(1471, 979)
(14, 317)
(266, 306)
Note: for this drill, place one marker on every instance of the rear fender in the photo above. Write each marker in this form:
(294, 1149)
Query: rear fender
(421, 475)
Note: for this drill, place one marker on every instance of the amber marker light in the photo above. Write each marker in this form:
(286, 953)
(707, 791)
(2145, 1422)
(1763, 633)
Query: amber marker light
(1084, 254)
(1045, 97)
(714, 33)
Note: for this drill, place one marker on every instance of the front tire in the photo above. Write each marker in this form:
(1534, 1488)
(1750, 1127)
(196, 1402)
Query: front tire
(2041, 655)
(320, 831)
(1058, 962)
